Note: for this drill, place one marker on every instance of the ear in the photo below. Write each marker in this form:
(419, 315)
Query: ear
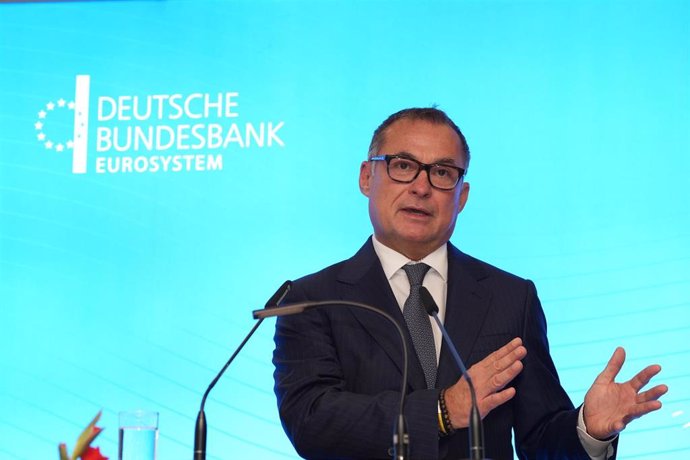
(365, 174)
(464, 194)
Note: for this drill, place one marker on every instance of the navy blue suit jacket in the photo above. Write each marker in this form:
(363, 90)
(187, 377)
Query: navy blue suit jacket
(338, 370)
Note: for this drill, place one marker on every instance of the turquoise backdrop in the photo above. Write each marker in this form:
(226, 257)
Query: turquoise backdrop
(129, 287)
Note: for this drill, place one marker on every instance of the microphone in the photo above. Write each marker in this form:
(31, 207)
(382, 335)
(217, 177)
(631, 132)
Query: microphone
(475, 428)
(200, 431)
(400, 438)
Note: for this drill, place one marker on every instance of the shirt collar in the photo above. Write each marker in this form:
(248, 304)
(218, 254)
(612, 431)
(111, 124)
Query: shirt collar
(392, 261)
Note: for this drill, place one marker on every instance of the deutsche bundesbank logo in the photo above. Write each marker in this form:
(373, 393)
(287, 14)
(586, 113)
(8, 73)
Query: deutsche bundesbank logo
(151, 133)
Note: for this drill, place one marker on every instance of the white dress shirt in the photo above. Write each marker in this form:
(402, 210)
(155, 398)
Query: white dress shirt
(435, 280)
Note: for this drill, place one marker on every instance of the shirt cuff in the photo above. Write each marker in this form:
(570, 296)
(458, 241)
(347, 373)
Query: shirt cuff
(596, 449)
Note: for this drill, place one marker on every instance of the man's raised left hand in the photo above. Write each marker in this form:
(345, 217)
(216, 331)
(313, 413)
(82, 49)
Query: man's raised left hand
(610, 406)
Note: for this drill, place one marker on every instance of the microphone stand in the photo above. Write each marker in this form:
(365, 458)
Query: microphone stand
(200, 429)
(400, 437)
(475, 427)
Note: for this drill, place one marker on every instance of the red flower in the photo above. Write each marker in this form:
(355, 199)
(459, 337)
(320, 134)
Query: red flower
(93, 454)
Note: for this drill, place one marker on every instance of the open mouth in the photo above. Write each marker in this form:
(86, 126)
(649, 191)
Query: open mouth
(416, 211)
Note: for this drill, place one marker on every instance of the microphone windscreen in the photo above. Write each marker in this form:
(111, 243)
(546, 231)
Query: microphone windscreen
(427, 301)
(279, 295)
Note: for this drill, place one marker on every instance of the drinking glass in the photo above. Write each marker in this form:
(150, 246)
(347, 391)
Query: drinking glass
(138, 435)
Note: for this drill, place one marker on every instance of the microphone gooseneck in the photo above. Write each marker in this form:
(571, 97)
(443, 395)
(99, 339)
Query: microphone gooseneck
(475, 428)
(200, 430)
(400, 436)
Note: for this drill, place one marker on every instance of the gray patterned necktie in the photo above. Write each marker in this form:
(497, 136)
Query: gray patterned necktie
(418, 323)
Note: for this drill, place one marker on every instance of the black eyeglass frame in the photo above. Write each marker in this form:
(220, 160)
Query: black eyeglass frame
(422, 167)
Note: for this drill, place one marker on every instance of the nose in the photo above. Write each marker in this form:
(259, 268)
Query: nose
(421, 185)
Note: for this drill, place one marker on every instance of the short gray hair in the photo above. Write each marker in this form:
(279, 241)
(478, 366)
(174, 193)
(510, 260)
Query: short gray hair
(428, 114)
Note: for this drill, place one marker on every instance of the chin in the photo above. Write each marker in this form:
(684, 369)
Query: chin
(420, 241)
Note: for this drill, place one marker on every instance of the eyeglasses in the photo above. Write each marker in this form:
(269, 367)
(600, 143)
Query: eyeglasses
(405, 169)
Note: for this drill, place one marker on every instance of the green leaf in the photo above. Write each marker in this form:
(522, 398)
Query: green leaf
(86, 437)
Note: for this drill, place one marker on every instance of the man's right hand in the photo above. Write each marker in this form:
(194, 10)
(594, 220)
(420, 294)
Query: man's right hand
(489, 377)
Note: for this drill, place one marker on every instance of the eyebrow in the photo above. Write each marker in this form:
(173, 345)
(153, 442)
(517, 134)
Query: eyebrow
(444, 161)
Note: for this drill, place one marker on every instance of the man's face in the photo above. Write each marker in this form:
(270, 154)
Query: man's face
(414, 219)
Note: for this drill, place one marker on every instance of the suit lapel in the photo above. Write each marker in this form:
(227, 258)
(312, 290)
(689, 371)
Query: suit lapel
(362, 280)
(467, 304)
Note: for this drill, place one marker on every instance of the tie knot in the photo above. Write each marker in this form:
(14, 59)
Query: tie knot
(416, 273)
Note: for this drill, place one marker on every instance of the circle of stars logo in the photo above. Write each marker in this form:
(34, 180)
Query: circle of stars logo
(51, 107)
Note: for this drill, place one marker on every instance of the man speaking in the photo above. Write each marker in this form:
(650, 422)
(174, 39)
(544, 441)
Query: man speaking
(338, 370)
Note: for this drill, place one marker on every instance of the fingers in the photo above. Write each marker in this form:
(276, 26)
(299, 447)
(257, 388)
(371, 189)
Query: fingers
(496, 399)
(489, 377)
(500, 380)
(613, 367)
(646, 402)
(504, 357)
(506, 349)
(642, 409)
(643, 377)
(498, 369)
(652, 394)
(504, 365)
